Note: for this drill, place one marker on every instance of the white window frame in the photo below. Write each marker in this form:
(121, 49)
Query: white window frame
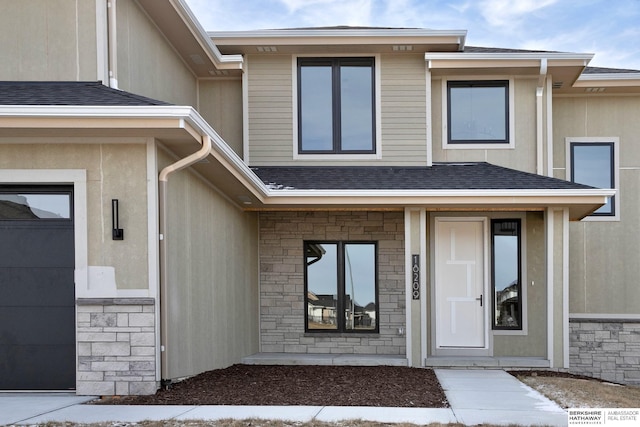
(377, 105)
(616, 171)
(478, 146)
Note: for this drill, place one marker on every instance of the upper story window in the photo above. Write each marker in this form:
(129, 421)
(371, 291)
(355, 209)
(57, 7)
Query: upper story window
(336, 113)
(477, 114)
(593, 161)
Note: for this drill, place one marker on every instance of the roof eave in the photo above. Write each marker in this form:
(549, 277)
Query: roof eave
(580, 202)
(608, 80)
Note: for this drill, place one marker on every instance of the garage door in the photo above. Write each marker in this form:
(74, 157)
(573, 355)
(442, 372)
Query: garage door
(37, 301)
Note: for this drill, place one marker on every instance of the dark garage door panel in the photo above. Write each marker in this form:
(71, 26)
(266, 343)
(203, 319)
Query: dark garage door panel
(49, 286)
(38, 367)
(37, 305)
(42, 245)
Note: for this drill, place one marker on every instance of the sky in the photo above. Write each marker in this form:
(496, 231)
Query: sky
(610, 29)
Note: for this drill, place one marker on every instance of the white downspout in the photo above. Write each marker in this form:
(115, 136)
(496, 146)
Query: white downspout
(539, 127)
(112, 41)
(163, 178)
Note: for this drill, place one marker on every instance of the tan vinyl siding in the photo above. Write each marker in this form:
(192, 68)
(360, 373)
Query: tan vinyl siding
(114, 171)
(522, 157)
(212, 281)
(271, 112)
(48, 40)
(221, 106)
(147, 64)
(403, 99)
(270, 109)
(601, 280)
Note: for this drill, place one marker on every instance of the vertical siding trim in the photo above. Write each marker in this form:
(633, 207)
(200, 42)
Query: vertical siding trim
(153, 241)
(408, 290)
(102, 59)
(245, 111)
(549, 219)
(423, 286)
(549, 126)
(429, 119)
(565, 288)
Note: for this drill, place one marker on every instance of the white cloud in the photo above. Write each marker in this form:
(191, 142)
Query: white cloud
(608, 29)
(507, 13)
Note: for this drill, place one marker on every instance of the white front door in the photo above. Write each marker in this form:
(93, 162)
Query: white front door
(460, 283)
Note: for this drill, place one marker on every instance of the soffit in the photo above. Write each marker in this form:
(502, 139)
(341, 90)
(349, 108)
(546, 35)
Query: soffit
(190, 41)
(338, 40)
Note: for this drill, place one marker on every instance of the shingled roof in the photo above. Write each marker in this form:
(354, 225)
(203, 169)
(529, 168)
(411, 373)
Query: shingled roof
(440, 176)
(69, 93)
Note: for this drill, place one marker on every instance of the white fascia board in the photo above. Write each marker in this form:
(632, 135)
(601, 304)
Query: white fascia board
(608, 76)
(467, 194)
(582, 59)
(110, 111)
(222, 62)
(340, 33)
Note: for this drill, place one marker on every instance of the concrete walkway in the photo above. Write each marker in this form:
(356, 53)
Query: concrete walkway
(475, 396)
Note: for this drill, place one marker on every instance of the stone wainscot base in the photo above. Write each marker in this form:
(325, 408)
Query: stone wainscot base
(606, 348)
(116, 346)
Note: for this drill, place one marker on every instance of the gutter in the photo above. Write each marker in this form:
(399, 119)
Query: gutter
(163, 179)
(112, 49)
(539, 127)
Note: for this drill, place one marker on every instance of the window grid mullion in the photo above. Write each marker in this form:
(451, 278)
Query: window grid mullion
(337, 122)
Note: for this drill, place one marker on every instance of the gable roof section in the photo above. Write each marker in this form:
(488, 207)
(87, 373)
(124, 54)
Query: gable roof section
(69, 93)
(441, 176)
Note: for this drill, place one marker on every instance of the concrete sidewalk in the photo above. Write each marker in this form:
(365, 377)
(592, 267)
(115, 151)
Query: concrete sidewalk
(475, 396)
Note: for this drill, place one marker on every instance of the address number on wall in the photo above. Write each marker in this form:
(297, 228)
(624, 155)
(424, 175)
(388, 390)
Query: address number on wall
(415, 273)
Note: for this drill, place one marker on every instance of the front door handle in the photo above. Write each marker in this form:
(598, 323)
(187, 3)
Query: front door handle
(479, 299)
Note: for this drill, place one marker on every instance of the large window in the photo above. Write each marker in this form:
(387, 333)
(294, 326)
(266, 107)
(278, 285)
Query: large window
(341, 286)
(478, 112)
(593, 163)
(506, 274)
(336, 105)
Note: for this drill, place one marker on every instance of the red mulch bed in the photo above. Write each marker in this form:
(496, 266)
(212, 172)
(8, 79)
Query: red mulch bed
(383, 386)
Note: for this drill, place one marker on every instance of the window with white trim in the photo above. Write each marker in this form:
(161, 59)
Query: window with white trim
(336, 106)
(477, 114)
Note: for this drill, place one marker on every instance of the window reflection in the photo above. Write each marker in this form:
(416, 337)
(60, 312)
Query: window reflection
(592, 164)
(316, 110)
(360, 288)
(341, 292)
(35, 206)
(357, 108)
(478, 111)
(506, 274)
(322, 286)
(336, 105)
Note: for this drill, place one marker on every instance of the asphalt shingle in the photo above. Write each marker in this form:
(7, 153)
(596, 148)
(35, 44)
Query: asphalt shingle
(69, 93)
(440, 176)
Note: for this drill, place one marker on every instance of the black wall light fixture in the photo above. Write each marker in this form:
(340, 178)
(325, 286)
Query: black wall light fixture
(118, 233)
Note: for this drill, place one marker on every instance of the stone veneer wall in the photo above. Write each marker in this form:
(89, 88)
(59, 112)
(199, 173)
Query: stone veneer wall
(116, 346)
(282, 307)
(606, 349)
